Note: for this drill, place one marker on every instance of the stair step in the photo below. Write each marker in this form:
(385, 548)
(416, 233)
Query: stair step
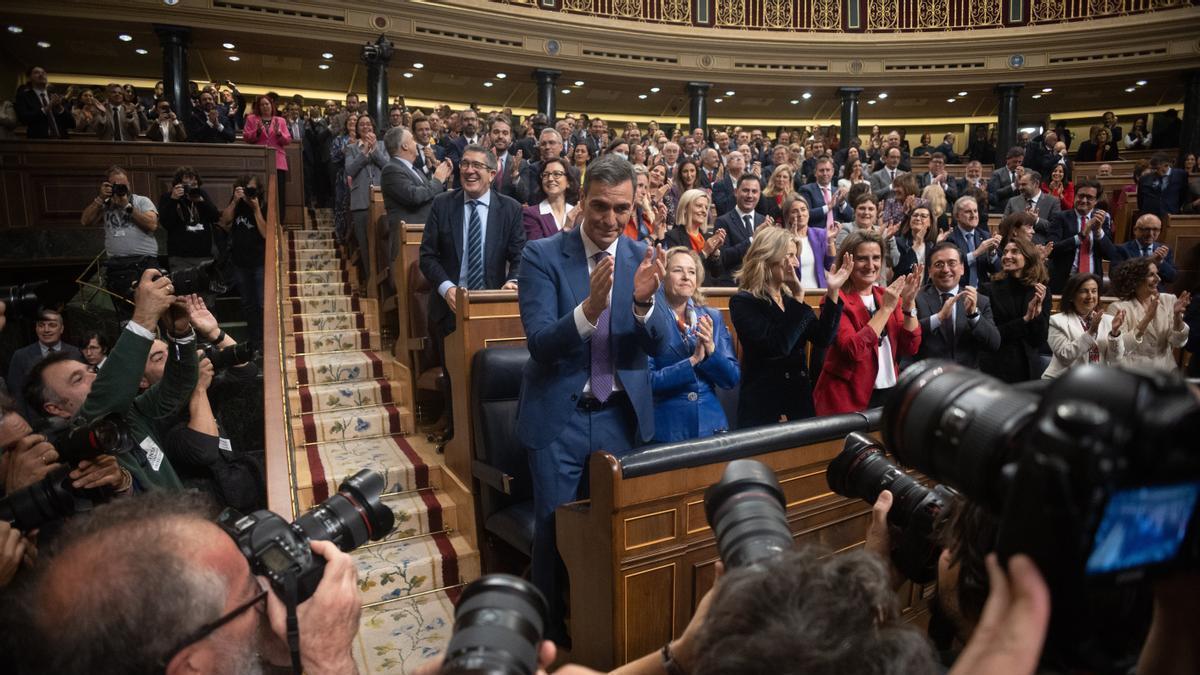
(319, 277)
(343, 395)
(343, 304)
(321, 467)
(329, 341)
(325, 322)
(394, 569)
(345, 425)
(420, 512)
(313, 369)
(317, 290)
(397, 637)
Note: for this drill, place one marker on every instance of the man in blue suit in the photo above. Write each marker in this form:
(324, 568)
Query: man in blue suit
(738, 226)
(1161, 189)
(977, 244)
(587, 306)
(823, 212)
(1082, 238)
(1145, 244)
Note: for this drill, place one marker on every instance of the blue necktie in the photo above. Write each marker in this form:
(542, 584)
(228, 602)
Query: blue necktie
(474, 249)
(973, 277)
(602, 374)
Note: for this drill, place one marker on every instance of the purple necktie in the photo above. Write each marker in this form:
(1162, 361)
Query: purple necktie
(602, 375)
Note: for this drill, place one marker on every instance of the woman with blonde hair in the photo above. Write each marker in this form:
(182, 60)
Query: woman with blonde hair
(697, 360)
(779, 188)
(774, 326)
(691, 230)
(935, 198)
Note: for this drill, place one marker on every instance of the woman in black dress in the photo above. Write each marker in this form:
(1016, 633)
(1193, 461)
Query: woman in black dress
(774, 325)
(1021, 309)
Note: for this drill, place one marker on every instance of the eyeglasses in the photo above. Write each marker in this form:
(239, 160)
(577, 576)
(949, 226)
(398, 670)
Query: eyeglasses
(1084, 197)
(478, 166)
(211, 627)
(556, 175)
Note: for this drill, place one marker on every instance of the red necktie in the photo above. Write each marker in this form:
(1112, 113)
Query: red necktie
(828, 207)
(1085, 247)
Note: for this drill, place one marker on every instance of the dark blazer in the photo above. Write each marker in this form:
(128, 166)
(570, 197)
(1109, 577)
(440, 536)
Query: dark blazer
(1088, 150)
(199, 131)
(554, 280)
(685, 403)
(776, 373)
(770, 206)
(987, 265)
(406, 197)
(1154, 197)
(503, 182)
(724, 198)
(947, 150)
(1000, 189)
(818, 209)
(964, 344)
(37, 123)
(176, 133)
(442, 248)
(1063, 231)
(538, 225)
(1166, 268)
(1022, 343)
(950, 188)
(23, 360)
(737, 238)
(1048, 207)
(702, 177)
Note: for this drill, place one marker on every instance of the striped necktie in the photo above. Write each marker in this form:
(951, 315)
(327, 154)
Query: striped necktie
(474, 249)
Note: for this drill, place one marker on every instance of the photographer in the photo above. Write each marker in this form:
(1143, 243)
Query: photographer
(129, 221)
(208, 123)
(246, 222)
(189, 216)
(64, 388)
(166, 128)
(182, 594)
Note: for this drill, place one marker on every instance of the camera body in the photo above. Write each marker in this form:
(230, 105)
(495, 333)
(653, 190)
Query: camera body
(120, 190)
(221, 359)
(280, 550)
(251, 192)
(21, 299)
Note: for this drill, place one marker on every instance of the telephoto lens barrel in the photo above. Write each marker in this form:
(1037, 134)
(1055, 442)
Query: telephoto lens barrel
(746, 512)
(498, 626)
(353, 515)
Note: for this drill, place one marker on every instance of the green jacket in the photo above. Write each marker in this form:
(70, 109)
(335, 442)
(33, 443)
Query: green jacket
(115, 390)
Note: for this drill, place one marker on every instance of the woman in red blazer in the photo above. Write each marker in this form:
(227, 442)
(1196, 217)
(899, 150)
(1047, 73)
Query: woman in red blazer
(878, 326)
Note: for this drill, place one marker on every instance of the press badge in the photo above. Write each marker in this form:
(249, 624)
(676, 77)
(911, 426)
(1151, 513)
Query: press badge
(224, 444)
(153, 453)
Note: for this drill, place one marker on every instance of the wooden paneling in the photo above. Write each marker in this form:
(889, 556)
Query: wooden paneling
(1182, 234)
(293, 208)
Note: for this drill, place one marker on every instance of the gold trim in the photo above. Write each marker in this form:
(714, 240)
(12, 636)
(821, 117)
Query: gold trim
(628, 605)
(674, 528)
(371, 605)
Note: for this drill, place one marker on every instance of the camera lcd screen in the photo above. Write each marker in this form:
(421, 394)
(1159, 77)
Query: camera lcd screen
(1142, 526)
(275, 559)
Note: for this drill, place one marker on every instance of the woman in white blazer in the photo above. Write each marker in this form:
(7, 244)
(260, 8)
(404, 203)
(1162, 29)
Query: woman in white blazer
(1080, 333)
(1156, 327)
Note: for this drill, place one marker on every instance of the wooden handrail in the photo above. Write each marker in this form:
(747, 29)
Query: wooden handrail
(276, 430)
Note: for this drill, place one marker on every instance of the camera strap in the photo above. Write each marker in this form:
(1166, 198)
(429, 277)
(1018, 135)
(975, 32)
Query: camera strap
(290, 599)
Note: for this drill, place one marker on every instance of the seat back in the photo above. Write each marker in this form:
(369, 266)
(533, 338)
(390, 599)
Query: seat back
(495, 389)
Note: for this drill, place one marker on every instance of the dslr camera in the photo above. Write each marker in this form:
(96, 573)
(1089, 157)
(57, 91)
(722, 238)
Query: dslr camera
(21, 299)
(203, 278)
(280, 550)
(222, 359)
(498, 625)
(1094, 475)
(54, 496)
(746, 511)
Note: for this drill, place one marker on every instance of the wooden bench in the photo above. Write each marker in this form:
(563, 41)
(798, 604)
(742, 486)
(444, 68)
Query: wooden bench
(640, 553)
(1121, 168)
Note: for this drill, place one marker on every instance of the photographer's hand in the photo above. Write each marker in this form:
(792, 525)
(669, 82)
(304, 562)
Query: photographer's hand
(30, 459)
(154, 294)
(1012, 628)
(329, 619)
(879, 538)
(99, 472)
(12, 550)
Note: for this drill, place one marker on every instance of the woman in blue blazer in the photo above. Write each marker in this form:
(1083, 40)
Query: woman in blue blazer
(698, 356)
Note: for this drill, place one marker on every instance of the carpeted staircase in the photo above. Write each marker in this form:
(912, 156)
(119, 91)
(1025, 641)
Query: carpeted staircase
(350, 408)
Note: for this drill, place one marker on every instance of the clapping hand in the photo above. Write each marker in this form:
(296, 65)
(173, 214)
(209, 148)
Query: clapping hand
(649, 274)
(970, 299)
(890, 230)
(1181, 305)
(912, 284)
(1035, 303)
(1160, 254)
(837, 275)
(515, 165)
(1097, 221)
(1117, 322)
(767, 222)
(792, 282)
(893, 293)
(443, 170)
(947, 310)
(1093, 322)
(714, 242)
(704, 340)
(599, 286)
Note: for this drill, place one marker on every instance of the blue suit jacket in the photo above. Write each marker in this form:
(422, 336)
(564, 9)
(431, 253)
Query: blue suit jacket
(818, 209)
(1166, 269)
(685, 405)
(554, 279)
(986, 265)
(1152, 198)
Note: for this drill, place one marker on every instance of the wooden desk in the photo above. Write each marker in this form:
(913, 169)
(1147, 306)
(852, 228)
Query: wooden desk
(640, 553)
(1182, 234)
(412, 333)
(1121, 168)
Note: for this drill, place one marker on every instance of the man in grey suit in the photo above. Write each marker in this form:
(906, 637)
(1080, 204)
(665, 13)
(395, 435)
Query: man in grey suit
(1003, 184)
(407, 192)
(1032, 199)
(49, 330)
(881, 180)
(956, 321)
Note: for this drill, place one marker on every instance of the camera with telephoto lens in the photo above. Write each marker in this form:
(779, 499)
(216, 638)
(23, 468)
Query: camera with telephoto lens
(195, 192)
(120, 190)
(54, 496)
(21, 299)
(280, 550)
(201, 279)
(745, 510)
(862, 471)
(498, 626)
(250, 191)
(243, 352)
(1094, 475)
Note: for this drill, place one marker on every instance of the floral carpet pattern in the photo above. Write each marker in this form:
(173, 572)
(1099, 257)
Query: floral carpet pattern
(346, 414)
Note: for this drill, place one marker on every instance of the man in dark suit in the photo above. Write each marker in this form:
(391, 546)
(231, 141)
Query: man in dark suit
(1032, 199)
(956, 321)
(937, 174)
(591, 321)
(408, 193)
(947, 149)
(528, 144)
(1145, 244)
(49, 328)
(469, 135)
(1082, 238)
(826, 201)
(881, 180)
(710, 168)
(473, 238)
(739, 226)
(1040, 155)
(977, 244)
(508, 165)
(595, 136)
(973, 178)
(527, 184)
(1161, 189)
(44, 113)
(206, 123)
(724, 190)
(1003, 184)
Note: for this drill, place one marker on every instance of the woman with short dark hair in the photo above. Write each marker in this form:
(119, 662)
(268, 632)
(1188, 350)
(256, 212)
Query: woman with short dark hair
(1155, 324)
(1021, 310)
(264, 127)
(1081, 332)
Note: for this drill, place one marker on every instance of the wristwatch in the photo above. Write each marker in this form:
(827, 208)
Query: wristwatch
(912, 312)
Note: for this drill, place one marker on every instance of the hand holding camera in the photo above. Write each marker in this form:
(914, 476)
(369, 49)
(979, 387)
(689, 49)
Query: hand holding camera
(153, 296)
(329, 619)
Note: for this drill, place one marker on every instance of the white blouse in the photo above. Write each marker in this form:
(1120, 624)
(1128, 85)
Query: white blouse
(1072, 345)
(808, 267)
(1154, 349)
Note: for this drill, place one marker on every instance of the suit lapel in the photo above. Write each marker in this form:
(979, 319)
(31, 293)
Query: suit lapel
(626, 262)
(494, 240)
(576, 265)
